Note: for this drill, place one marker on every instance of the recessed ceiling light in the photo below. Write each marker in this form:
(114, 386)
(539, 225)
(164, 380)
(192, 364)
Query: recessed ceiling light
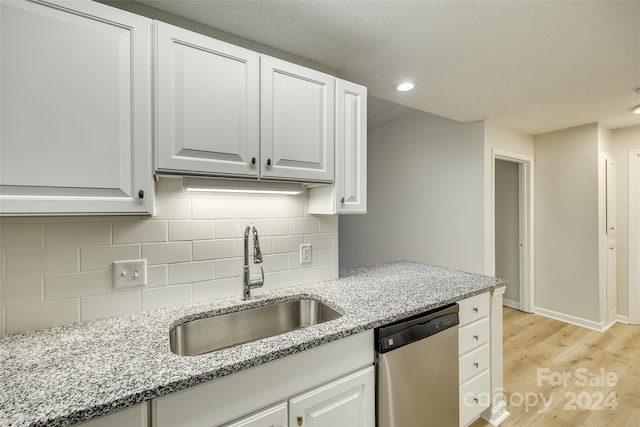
(405, 86)
(637, 110)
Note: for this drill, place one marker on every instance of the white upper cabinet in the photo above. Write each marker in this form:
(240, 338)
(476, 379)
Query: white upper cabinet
(207, 103)
(75, 109)
(296, 122)
(348, 195)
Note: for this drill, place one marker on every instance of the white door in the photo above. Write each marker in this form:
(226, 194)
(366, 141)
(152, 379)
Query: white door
(296, 122)
(345, 402)
(206, 104)
(351, 147)
(76, 109)
(274, 416)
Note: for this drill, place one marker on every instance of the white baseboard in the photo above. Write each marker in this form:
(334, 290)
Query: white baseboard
(622, 319)
(574, 320)
(511, 304)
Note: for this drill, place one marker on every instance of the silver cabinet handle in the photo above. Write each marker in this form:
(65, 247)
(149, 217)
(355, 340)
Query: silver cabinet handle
(268, 162)
(141, 194)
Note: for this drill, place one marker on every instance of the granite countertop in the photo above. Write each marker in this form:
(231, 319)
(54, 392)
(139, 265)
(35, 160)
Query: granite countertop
(64, 375)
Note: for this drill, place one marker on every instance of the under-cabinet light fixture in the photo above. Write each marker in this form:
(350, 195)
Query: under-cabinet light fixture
(219, 185)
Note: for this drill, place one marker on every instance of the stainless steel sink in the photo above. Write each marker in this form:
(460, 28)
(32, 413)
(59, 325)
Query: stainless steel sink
(226, 330)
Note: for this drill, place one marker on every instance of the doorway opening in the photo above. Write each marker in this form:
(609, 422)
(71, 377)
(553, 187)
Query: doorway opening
(512, 212)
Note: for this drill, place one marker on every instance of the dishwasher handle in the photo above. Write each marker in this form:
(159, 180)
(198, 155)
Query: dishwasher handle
(417, 332)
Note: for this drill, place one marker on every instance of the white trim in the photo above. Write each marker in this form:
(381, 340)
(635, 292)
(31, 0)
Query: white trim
(634, 237)
(511, 304)
(525, 167)
(574, 320)
(496, 414)
(622, 319)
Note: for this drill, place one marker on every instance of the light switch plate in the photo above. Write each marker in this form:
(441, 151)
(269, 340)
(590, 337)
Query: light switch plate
(305, 253)
(129, 274)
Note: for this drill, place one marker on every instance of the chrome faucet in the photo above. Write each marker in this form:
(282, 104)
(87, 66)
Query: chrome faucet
(257, 259)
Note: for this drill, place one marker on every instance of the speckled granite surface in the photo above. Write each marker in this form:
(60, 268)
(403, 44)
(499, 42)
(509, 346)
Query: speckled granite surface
(65, 375)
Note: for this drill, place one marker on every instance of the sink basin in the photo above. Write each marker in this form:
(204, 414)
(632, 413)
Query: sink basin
(226, 330)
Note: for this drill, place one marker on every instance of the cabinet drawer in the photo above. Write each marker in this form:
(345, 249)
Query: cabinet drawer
(474, 362)
(473, 308)
(475, 397)
(473, 335)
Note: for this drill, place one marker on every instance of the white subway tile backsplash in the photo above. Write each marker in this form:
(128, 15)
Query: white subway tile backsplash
(231, 267)
(31, 317)
(156, 276)
(102, 257)
(166, 253)
(189, 272)
(303, 225)
(29, 263)
(23, 290)
(272, 227)
(77, 234)
(65, 286)
(231, 228)
(173, 208)
(288, 207)
(276, 262)
(21, 236)
(319, 241)
(212, 289)
(142, 231)
(215, 249)
(228, 207)
(109, 305)
(191, 230)
(286, 278)
(168, 296)
(286, 244)
(193, 248)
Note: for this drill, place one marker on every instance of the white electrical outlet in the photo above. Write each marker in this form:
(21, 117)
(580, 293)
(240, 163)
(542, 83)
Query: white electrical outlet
(129, 274)
(305, 253)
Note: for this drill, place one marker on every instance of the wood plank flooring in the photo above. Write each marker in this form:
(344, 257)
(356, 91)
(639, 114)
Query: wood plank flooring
(556, 374)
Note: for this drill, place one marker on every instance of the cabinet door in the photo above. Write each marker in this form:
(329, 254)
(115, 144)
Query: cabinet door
(296, 122)
(348, 401)
(207, 104)
(351, 147)
(76, 109)
(135, 416)
(274, 416)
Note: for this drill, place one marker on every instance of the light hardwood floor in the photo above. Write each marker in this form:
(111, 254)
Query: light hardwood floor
(538, 351)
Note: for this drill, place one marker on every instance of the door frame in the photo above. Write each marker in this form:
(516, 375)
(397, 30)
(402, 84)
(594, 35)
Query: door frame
(634, 236)
(525, 172)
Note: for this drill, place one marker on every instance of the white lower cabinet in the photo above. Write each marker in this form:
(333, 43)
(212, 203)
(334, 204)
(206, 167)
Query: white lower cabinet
(332, 384)
(273, 416)
(475, 357)
(348, 401)
(135, 416)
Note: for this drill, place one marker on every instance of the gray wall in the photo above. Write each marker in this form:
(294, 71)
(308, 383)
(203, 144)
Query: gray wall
(566, 222)
(425, 196)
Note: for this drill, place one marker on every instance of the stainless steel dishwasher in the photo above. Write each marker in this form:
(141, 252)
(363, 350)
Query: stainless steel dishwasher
(417, 371)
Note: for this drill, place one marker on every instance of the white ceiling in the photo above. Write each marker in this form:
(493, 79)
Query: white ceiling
(535, 66)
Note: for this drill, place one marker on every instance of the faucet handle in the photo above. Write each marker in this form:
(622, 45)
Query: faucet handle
(257, 283)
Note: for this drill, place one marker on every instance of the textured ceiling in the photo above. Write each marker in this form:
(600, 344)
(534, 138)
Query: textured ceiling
(535, 66)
